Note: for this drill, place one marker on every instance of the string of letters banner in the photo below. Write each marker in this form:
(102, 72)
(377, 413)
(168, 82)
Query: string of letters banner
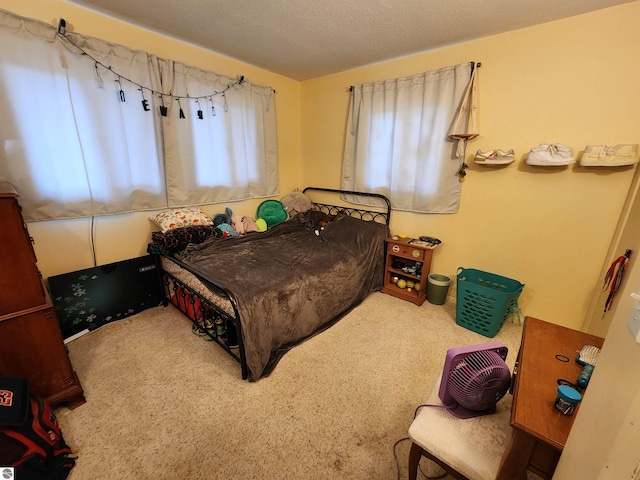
(163, 109)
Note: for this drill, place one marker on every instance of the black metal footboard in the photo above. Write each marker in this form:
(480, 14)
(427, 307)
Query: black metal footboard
(209, 320)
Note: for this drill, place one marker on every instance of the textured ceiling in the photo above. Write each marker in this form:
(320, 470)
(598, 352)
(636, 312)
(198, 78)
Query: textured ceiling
(304, 39)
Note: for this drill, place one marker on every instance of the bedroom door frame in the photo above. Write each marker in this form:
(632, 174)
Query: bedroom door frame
(626, 236)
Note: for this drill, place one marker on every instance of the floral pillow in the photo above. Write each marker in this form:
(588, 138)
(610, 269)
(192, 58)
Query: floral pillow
(180, 217)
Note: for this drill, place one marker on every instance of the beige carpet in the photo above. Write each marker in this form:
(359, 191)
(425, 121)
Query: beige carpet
(165, 404)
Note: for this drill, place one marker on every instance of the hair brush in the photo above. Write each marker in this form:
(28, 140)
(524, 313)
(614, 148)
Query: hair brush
(587, 357)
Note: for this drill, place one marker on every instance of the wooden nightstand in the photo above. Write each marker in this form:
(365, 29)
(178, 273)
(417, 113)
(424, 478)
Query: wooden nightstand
(412, 264)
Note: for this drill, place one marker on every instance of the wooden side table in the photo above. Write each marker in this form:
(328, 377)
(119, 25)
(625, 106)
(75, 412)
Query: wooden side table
(539, 429)
(408, 278)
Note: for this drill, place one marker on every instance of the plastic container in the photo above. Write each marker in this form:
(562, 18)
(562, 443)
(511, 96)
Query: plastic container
(567, 399)
(485, 300)
(437, 288)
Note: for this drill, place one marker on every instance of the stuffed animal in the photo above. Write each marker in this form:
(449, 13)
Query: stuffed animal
(249, 225)
(272, 212)
(222, 221)
(227, 230)
(261, 224)
(241, 224)
(220, 218)
(236, 222)
(238, 226)
(295, 203)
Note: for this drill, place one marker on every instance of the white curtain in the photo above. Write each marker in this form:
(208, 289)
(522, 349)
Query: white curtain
(218, 124)
(83, 135)
(69, 146)
(397, 140)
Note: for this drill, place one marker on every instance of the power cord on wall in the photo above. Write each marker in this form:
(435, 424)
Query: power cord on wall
(92, 245)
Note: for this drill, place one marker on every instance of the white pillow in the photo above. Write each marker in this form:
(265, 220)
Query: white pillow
(180, 217)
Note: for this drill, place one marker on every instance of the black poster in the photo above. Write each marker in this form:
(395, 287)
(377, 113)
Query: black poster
(88, 299)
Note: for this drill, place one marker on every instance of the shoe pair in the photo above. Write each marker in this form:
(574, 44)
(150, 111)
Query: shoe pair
(605, 156)
(204, 330)
(547, 154)
(494, 157)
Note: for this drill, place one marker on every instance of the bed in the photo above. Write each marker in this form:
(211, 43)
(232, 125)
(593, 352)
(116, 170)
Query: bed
(260, 294)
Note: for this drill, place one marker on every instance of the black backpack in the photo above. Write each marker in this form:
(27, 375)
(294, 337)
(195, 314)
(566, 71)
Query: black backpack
(31, 441)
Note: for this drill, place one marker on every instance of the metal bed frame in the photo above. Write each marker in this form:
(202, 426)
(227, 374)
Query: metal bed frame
(225, 328)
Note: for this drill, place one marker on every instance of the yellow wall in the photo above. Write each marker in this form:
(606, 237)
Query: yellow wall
(575, 82)
(65, 246)
(603, 440)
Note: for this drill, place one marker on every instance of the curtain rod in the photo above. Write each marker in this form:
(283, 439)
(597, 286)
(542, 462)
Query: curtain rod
(475, 64)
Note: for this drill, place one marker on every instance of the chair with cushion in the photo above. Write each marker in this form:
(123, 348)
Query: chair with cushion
(465, 448)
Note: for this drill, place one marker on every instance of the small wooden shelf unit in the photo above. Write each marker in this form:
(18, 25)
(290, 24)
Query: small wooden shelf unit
(417, 264)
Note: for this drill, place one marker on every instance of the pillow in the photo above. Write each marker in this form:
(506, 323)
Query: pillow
(180, 217)
(295, 203)
(272, 212)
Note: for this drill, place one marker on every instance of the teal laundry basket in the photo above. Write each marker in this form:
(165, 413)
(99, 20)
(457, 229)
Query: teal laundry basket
(484, 301)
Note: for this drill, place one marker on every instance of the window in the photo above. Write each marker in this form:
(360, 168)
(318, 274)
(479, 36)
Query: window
(232, 147)
(84, 134)
(397, 140)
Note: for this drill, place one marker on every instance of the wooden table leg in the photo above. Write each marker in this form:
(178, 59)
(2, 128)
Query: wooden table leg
(516, 457)
(415, 454)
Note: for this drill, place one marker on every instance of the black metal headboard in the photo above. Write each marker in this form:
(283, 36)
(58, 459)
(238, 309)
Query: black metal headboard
(382, 216)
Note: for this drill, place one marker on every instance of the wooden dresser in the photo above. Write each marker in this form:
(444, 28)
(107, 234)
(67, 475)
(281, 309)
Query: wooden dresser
(31, 345)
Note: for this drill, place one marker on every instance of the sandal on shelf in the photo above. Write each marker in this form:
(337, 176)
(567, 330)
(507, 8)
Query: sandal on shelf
(494, 157)
(605, 156)
(550, 155)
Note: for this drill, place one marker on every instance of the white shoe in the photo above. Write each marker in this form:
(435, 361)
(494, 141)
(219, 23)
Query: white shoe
(605, 156)
(550, 155)
(494, 157)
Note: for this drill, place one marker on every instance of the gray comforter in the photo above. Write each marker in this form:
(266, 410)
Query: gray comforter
(291, 283)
